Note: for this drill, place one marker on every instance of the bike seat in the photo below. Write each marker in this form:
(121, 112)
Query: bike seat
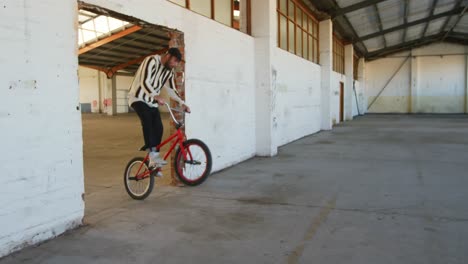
(143, 148)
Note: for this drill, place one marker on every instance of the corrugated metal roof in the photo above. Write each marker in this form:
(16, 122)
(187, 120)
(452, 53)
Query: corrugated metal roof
(382, 27)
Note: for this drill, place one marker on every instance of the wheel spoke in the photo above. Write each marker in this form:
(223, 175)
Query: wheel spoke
(137, 187)
(193, 166)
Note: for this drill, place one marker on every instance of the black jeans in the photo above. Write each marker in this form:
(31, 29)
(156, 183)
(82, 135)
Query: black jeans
(151, 123)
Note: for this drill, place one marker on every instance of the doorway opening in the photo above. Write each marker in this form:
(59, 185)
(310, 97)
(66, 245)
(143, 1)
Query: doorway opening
(111, 47)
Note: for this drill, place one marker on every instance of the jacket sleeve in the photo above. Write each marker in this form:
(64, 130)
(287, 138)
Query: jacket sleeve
(172, 91)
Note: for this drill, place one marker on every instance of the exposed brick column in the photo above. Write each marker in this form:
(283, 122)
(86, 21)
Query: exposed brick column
(177, 41)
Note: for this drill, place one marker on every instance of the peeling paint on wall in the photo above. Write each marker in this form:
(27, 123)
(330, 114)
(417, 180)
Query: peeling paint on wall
(25, 84)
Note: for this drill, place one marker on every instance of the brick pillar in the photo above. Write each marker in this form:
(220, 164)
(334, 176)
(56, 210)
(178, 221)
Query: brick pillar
(177, 41)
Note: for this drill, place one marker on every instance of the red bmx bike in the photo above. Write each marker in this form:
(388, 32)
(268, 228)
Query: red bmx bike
(192, 163)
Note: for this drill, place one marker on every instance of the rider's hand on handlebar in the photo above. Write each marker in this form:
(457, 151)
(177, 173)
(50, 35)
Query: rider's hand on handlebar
(160, 100)
(186, 108)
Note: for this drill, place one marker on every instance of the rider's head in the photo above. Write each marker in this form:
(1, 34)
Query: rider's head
(172, 58)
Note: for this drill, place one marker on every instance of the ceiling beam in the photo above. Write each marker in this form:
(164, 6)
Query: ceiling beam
(344, 20)
(457, 5)
(379, 23)
(458, 35)
(404, 46)
(456, 40)
(431, 13)
(94, 67)
(122, 66)
(455, 11)
(456, 22)
(111, 38)
(119, 53)
(111, 71)
(405, 19)
(348, 9)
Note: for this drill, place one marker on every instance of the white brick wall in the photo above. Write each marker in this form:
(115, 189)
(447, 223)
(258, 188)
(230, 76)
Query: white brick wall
(41, 141)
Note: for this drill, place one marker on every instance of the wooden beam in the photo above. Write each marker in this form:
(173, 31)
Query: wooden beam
(122, 66)
(111, 38)
(104, 70)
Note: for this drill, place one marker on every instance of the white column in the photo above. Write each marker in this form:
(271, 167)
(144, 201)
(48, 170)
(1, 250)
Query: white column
(362, 100)
(99, 86)
(264, 31)
(414, 85)
(113, 107)
(466, 82)
(326, 59)
(349, 73)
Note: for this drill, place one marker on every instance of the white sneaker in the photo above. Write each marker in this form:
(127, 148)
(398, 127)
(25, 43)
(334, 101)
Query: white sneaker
(156, 160)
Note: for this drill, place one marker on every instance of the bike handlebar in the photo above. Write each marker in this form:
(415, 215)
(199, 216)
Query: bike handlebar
(172, 114)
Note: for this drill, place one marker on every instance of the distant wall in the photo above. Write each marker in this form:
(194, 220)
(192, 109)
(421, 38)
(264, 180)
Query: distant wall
(432, 81)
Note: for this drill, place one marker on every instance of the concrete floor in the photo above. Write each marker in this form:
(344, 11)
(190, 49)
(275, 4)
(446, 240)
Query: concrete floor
(108, 144)
(380, 189)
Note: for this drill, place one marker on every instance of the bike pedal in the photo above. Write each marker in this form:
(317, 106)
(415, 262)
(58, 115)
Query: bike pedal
(157, 173)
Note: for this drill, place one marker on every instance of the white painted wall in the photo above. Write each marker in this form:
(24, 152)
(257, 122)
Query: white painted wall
(359, 105)
(395, 98)
(425, 84)
(89, 90)
(41, 151)
(123, 86)
(360, 87)
(296, 97)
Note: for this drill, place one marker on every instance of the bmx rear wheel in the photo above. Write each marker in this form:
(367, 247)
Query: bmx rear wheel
(138, 179)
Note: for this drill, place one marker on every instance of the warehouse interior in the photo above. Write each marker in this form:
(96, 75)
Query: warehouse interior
(338, 131)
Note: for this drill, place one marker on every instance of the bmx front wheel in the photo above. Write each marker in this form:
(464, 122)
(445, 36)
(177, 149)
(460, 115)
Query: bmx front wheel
(193, 168)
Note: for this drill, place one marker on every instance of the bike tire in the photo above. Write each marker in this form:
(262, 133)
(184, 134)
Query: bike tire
(178, 165)
(137, 161)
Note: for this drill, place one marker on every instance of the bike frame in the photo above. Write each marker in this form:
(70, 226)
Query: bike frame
(178, 138)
